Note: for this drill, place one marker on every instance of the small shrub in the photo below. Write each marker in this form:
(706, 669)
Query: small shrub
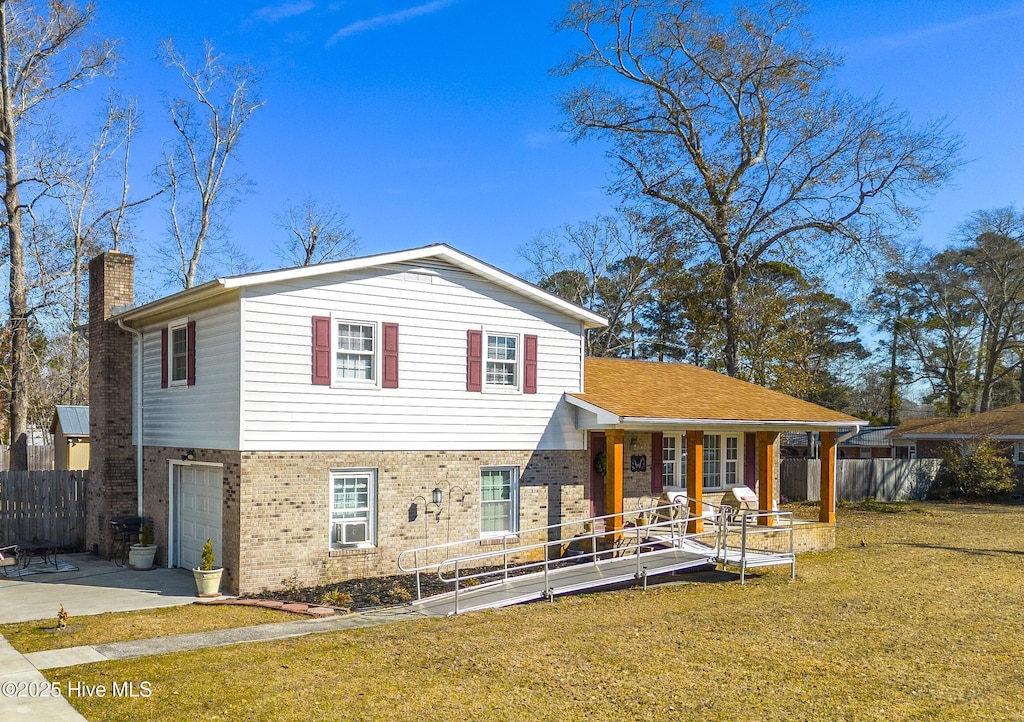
(337, 598)
(292, 587)
(146, 537)
(983, 473)
(206, 563)
(62, 618)
(398, 594)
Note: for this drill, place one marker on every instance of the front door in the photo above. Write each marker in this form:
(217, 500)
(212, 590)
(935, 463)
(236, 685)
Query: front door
(598, 460)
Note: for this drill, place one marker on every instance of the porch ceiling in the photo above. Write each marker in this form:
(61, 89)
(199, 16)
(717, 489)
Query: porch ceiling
(645, 394)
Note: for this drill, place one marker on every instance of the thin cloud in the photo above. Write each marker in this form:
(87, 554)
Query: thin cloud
(273, 13)
(912, 37)
(380, 21)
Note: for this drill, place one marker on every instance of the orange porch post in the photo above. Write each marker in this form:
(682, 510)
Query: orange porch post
(827, 453)
(695, 479)
(613, 479)
(766, 475)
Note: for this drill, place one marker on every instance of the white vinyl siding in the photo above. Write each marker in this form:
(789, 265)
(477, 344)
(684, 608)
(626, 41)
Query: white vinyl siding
(431, 410)
(205, 415)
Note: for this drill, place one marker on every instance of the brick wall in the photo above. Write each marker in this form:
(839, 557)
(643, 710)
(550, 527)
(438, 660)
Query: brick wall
(285, 507)
(112, 484)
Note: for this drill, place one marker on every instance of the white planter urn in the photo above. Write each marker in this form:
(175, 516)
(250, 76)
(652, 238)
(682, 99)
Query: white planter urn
(207, 582)
(140, 556)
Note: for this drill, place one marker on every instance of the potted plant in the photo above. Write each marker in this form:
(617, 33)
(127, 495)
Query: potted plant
(207, 578)
(140, 556)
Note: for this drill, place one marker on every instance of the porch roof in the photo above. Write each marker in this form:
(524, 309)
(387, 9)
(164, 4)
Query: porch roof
(645, 393)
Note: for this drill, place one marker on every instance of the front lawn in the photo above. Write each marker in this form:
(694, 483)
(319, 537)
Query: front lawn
(42, 634)
(922, 621)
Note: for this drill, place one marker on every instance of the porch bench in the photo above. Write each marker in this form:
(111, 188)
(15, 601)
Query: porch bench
(9, 558)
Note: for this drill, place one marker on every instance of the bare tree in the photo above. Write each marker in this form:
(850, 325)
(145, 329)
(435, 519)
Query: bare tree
(92, 189)
(222, 100)
(316, 234)
(45, 51)
(733, 125)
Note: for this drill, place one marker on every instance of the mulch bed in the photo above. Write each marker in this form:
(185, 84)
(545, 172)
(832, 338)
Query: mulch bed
(366, 593)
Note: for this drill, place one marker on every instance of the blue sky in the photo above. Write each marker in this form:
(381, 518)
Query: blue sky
(435, 121)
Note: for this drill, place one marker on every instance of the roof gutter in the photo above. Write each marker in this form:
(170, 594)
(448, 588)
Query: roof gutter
(658, 421)
(138, 412)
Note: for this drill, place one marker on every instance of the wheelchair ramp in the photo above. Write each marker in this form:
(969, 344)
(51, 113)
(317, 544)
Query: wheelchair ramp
(564, 580)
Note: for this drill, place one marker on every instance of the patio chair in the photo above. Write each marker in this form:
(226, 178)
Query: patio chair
(9, 558)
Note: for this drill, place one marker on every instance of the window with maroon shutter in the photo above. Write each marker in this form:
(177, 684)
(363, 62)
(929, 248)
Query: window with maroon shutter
(321, 350)
(474, 360)
(389, 332)
(190, 354)
(529, 364)
(657, 462)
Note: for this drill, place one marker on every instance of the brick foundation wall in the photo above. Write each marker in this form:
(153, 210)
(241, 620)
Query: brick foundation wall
(275, 520)
(155, 502)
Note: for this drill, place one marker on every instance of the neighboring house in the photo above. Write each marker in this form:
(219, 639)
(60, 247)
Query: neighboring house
(931, 438)
(870, 442)
(302, 418)
(70, 429)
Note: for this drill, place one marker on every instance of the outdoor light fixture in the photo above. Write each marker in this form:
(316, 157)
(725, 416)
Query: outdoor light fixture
(189, 456)
(435, 495)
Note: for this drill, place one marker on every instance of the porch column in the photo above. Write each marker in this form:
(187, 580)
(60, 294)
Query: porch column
(827, 453)
(613, 479)
(695, 479)
(766, 475)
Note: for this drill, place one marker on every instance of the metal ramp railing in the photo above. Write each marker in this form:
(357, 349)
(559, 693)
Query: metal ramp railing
(582, 554)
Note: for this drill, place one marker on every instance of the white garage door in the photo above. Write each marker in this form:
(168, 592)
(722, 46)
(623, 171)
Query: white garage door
(197, 512)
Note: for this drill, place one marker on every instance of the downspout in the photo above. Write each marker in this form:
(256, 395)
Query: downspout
(138, 413)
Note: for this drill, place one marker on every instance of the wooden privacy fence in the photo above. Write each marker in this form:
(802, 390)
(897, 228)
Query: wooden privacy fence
(39, 457)
(45, 505)
(857, 479)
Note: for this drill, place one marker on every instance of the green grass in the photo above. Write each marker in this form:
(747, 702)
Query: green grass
(43, 634)
(922, 622)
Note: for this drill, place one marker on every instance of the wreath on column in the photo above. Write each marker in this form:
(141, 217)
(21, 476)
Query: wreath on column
(601, 462)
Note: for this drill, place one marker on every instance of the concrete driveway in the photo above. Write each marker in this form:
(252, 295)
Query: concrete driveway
(97, 586)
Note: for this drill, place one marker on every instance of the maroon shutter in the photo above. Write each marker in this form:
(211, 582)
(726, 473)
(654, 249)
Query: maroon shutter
(321, 350)
(529, 364)
(190, 337)
(163, 357)
(474, 360)
(657, 461)
(390, 355)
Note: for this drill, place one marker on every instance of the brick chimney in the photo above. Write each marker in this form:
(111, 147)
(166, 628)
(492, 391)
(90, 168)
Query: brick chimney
(112, 482)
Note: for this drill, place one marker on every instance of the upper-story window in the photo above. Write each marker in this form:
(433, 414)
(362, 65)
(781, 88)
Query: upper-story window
(1018, 452)
(178, 353)
(346, 351)
(356, 356)
(502, 360)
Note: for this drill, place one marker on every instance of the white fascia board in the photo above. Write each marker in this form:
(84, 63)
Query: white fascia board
(456, 258)
(198, 294)
(642, 421)
(604, 417)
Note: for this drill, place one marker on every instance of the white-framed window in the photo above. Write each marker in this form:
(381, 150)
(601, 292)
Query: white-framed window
(1018, 453)
(499, 500)
(732, 455)
(712, 461)
(177, 352)
(502, 361)
(673, 459)
(353, 508)
(355, 351)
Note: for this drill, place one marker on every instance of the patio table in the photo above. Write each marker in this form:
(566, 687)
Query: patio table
(45, 549)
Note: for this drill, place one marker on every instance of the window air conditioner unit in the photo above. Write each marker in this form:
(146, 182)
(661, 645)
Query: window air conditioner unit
(351, 532)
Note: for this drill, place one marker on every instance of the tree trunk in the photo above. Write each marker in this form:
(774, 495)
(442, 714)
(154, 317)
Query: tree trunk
(17, 300)
(892, 402)
(731, 293)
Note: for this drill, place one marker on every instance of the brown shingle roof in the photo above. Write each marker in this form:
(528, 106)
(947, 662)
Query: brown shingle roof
(1008, 421)
(648, 389)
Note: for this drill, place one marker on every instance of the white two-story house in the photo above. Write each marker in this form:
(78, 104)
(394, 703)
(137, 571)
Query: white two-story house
(302, 419)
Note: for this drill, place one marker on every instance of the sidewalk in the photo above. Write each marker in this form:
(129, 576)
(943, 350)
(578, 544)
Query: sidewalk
(99, 586)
